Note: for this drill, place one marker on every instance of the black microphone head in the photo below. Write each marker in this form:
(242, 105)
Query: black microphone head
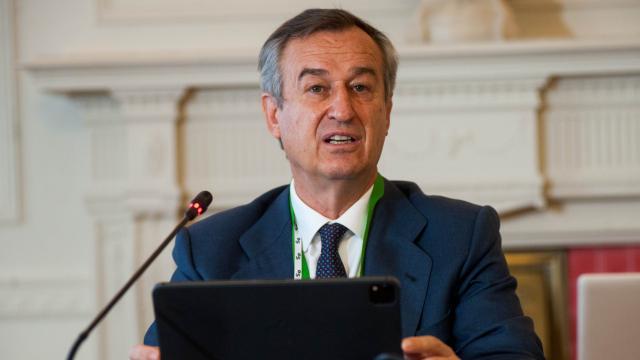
(198, 205)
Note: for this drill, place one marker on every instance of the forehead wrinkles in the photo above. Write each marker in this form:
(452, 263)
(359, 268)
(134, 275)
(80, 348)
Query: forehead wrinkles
(338, 43)
(326, 49)
(340, 54)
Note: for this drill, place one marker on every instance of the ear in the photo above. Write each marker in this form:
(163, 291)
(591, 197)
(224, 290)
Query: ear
(271, 112)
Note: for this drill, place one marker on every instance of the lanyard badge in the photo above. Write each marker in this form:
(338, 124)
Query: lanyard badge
(300, 268)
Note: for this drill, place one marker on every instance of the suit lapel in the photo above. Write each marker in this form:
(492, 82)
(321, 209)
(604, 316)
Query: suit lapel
(267, 244)
(392, 251)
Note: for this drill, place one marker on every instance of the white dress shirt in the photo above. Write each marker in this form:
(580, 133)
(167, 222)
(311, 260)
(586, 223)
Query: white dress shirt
(310, 221)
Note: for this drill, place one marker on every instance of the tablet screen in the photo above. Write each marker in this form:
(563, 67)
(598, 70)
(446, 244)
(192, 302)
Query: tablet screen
(284, 319)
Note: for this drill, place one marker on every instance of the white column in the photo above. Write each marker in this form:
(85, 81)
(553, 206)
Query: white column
(134, 200)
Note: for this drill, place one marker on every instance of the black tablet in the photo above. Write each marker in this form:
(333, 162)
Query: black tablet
(288, 319)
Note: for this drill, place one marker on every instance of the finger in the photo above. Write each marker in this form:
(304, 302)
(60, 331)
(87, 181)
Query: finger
(142, 352)
(411, 356)
(408, 356)
(425, 346)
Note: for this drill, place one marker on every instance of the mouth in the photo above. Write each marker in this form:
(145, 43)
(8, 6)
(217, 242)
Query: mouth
(340, 139)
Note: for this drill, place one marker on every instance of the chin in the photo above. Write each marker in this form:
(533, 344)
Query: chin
(345, 173)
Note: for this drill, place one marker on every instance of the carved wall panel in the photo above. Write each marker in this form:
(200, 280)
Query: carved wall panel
(226, 147)
(487, 129)
(133, 200)
(475, 140)
(593, 136)
(108, 142)
(115, 262)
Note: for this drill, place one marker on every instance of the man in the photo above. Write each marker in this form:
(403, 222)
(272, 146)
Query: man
(327, 79)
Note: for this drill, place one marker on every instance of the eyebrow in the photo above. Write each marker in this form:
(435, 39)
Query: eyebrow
(308, 71)
(322, 72)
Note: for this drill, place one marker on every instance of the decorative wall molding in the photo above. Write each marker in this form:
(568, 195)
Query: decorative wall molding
(231, 152)
(167, 124)
(592, 132)
(40, 295)
(220, 102)
(582, 223)
(466, 123)
(9, 138)
(116, 261)
(487, 128)
(596, 91)
(519, 59)
(469, 95)
(124, 238)
(108, 72)
(150, 119)
(227, 148)
(227, 11)
(134, 150)
(476, 105)
(134, 195)
(539, 236)
(153, 104)
(569, 238)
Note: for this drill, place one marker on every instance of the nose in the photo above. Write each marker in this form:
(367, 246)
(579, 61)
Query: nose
(341, 107)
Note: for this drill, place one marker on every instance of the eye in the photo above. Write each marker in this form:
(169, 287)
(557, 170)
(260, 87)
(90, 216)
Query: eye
(316, 89)
(359, 87)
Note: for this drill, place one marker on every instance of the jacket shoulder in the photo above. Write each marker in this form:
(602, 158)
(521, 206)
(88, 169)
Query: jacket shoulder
(236, 220)
(435, 206)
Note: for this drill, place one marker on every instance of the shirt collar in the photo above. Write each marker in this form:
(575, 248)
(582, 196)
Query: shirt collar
(310, 221)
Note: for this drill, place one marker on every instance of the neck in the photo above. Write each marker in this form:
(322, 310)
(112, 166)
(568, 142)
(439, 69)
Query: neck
(332, 198)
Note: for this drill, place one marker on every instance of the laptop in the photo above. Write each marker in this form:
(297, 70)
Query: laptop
(609, 316)
(280, 319)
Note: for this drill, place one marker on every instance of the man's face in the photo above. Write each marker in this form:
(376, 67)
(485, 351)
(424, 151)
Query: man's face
(335, 116)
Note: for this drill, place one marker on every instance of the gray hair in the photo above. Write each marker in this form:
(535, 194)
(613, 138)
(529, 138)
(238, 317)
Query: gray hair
(307, 23)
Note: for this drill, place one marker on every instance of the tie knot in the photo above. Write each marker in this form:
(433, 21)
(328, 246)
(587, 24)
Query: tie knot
(332, 233)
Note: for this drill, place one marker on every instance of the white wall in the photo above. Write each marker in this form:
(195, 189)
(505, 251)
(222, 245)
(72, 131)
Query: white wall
(53, 244)
(8, 117)
(48, 261)
(90, 27)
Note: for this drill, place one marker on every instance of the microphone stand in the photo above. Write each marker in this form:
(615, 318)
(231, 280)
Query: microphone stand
(197, 206)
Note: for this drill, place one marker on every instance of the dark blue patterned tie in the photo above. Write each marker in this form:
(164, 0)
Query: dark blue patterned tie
(329, 263)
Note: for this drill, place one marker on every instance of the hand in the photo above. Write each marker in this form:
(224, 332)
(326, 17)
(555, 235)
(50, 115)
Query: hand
(426, 348)
(143, 352)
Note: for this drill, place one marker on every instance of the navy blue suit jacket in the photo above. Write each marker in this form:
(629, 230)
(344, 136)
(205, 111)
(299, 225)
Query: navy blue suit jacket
(446, 253)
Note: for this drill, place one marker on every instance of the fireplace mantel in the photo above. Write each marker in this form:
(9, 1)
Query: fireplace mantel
(539, 58)
(506, 114)
(547, 132)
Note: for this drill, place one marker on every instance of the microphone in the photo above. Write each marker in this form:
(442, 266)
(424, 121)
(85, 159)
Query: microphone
(197, 206)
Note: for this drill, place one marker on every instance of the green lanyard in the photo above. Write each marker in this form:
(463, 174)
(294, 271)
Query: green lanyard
(301, 269)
